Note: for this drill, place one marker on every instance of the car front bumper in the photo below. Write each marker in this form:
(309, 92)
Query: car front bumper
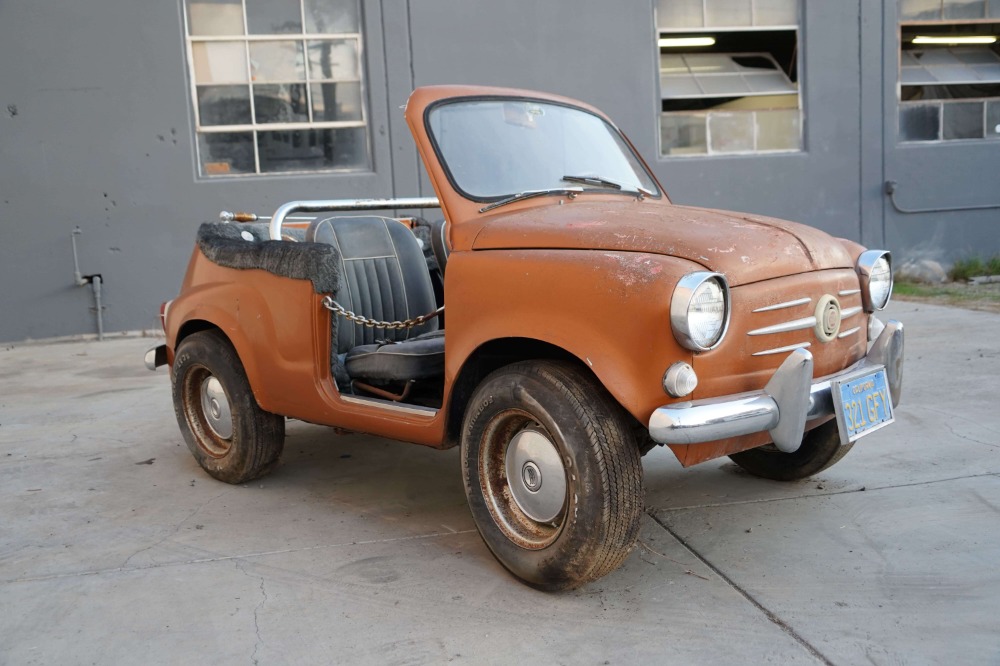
(790, 400)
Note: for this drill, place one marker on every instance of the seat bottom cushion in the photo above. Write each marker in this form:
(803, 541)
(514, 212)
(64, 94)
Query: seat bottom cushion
(421, 357)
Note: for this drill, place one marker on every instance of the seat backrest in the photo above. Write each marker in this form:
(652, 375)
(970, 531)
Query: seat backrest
(383, 276)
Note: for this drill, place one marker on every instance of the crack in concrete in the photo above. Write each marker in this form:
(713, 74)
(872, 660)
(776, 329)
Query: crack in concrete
(241, 565)
(848, 491)
(176, 529)
(225, 558)
(967, 437)
(769, 614)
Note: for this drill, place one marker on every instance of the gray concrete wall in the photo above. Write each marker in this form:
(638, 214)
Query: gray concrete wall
(96, 132)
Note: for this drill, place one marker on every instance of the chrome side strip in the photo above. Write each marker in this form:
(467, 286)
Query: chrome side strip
(848, 292)
(849, 332)
(795, 325)
(782, 306)
(416, 410)
(781, 350)
(849, 312)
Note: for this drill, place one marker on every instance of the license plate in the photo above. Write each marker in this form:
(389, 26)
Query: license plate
(862, 404)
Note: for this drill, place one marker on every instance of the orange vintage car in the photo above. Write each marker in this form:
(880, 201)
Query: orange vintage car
(588, 320)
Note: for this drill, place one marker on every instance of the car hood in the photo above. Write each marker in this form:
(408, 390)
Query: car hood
(745, 248)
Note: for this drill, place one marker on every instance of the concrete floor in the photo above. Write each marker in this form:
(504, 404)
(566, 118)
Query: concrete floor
(116, 548)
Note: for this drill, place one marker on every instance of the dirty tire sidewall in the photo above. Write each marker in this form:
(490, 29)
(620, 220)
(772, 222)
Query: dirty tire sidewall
(600, 522)
(257, 436)
(820, 449)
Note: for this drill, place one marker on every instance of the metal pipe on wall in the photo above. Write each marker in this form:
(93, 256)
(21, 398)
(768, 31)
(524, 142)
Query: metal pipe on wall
(95, 281)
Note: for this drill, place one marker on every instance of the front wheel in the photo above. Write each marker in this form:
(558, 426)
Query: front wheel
(552, 474)
(230, 436)
(820, 449)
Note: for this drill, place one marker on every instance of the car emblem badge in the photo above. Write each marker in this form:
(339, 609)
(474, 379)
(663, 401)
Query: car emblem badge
(827, 318)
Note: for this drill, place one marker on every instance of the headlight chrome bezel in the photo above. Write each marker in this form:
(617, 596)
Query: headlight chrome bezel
(865, 267)
(680, 305)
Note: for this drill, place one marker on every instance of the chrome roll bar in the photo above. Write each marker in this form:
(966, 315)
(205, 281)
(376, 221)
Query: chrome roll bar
(321, 206)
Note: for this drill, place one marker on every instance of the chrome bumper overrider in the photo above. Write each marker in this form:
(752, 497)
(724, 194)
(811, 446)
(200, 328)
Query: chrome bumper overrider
(155, 357)
(790, 399)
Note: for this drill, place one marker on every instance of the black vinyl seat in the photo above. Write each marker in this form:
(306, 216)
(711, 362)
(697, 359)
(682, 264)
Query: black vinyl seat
(383, 276)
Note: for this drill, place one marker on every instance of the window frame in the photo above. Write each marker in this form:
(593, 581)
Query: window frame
(902, 23)
(255, 128)
(797, 29)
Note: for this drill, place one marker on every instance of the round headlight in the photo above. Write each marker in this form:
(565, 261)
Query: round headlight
(699, 311)
(875, 271)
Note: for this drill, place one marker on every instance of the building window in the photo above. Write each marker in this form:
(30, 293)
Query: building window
(949, 75)
(729, 77)
(277, 86)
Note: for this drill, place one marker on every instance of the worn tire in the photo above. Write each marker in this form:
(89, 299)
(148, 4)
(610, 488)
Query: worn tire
(592, 447)
(246, 446)
(820, 449)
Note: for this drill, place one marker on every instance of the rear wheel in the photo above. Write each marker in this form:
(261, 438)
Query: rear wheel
(552, 474)
(820, 449)
(230, 436)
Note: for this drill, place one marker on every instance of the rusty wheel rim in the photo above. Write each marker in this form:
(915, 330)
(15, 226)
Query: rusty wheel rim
(523, 480)
(208, 412)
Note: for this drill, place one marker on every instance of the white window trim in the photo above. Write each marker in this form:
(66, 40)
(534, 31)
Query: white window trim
(256, 128)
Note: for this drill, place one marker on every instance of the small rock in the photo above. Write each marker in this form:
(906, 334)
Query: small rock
(926, 271)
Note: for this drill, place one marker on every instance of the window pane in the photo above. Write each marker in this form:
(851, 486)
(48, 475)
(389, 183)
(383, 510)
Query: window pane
(224, 105)
(683, 134)
(993, 8)
(993, 120)
(219, 62)
(226, 153)
(775, 82)
(731, 132)
(724, 85)
(678, 86)
(727, 13)
(709, 63)
(313, 150)
(672, 64)
(273, 17)
(912, 10)
(222, 17)
(277, 61)
(778, 130)
(281, 103)
(968, 9)
(919, 122)
(963, 121)
(332, 16)
(335, 59)
(336, 101)
(680, 14)
(775, 12)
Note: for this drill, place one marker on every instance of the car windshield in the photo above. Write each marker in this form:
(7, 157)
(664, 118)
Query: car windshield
(497, 148)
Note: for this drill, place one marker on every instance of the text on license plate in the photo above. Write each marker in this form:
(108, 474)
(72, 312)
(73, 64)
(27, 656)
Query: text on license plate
(863, 404)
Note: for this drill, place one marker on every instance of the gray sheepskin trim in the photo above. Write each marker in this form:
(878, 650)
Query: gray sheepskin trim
(223, 244)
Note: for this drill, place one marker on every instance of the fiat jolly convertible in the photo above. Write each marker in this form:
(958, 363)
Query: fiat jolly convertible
(589, 319)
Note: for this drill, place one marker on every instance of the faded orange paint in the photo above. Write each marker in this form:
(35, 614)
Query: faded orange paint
(592, 275)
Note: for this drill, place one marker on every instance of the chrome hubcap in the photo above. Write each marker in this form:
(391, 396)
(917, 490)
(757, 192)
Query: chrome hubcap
(536, 475)
(215, 407)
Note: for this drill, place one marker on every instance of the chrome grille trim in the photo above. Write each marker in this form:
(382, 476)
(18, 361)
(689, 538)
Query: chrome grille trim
(849, 332)
(782, 306)
(847, 313)
(795, 325)
(780, 350)
(848, 292)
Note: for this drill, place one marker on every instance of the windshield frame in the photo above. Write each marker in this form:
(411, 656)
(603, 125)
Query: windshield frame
(657, 193)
